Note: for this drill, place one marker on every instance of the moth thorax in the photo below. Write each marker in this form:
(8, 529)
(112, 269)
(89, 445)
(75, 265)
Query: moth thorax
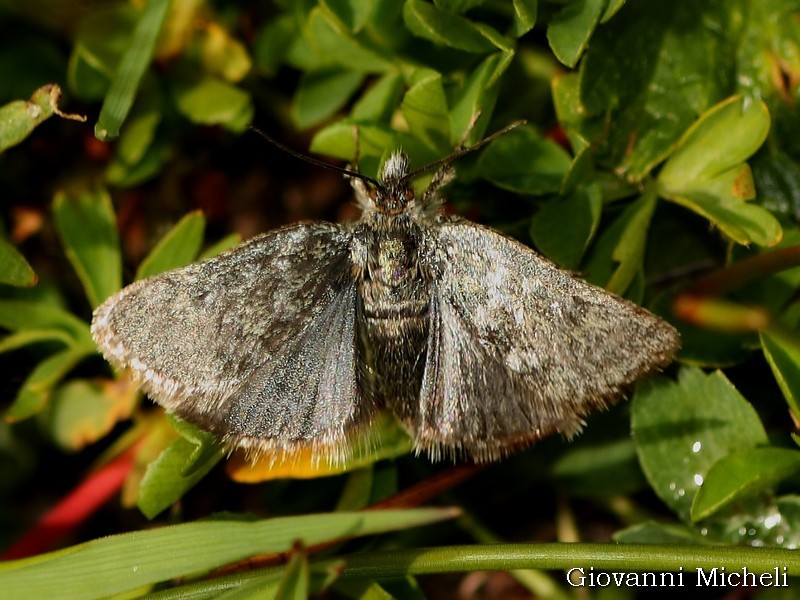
(395, 262)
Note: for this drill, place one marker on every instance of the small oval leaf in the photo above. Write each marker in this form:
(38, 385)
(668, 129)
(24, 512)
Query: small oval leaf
(744, 473)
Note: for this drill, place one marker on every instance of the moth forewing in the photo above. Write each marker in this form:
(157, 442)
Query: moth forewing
(291, 341)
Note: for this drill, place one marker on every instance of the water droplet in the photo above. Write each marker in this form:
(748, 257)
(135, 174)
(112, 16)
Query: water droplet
(696, 447)
(698, 479)
(772, 520)
(742, 531)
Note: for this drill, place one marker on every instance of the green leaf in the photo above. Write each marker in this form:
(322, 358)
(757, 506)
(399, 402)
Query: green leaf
(363, 590)
(425, 110)
(101, 39)
(357, 490)
(83, 411)
(223, 245)
(428, 21)
(247, 587)
(206, 445)
(339, 139)
(777, 180)
(564, 226)
(612, 9)
(378, 103)
(498, 40)
(706, 172)
(651, 532)
(255, 589)
(524, 15)
(28, 337)
(126, 175)
(295, 580)
(206, 100)
(335, 45)
(741, 474)
(374, 141)
(570, 29)
(119, 563)
(176, 249)
(177, 469)
(353, 14)
(682, 67)
(130, 70)
(20, 117)
(679, 436)
(37, 388)
(581, 174)
(322, 93)
(570, 110)
(14, 269)
(783, 355)
(524, 162)
(88, 229)
(139, 154)
(458, 6)
(20, 315)
(478, 97)
(789, 510)
(222, 54)
(768, 50)
(273, 42)
(601, 463)
(617, 257)
(629, 251)
(368, 485)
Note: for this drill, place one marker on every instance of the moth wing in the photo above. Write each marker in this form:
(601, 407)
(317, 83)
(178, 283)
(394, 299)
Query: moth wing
(257, 345)
(518, 348)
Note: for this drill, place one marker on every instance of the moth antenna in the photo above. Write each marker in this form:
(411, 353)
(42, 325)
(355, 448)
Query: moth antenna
(459, 153)
(356, 143)
(315, 161)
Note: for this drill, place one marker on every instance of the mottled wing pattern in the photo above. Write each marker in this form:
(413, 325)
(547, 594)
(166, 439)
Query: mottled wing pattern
(518, 348)
(257, 345)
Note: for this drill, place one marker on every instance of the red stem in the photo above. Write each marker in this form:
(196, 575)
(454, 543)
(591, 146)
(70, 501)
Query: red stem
(80, 504)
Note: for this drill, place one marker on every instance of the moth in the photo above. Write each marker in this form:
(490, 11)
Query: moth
(298, 337)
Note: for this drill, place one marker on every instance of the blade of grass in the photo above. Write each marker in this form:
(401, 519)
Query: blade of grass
(115, 564)
(390, 564)
(131, 68)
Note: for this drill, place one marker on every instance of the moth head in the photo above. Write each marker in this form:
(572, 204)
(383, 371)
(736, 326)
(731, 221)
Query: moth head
(394, 193)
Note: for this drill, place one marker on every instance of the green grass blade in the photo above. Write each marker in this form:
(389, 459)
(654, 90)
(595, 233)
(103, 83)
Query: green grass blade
(129, 561)
(130, 70)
